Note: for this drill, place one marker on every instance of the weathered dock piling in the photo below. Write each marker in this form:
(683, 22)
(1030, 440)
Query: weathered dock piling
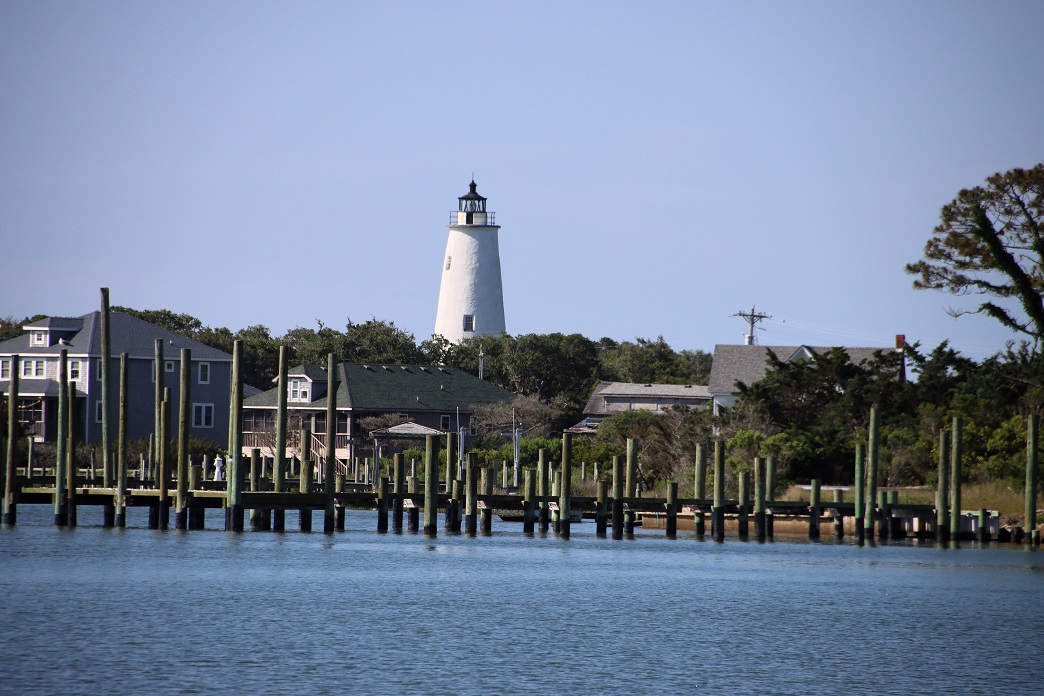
(121, 449)
(234, 486)
(10, 514)
(184, 399)
(618, 493)
(330, 466)
(108, 510)
(529, 502)
(1032, 447)
(61, 441)
(700, 486)
(565, 500)
(672, 510)
(471, 494)
(813, 510)
(718, 510)
(542, 489)
(956, 454)
(859, 494)
(398, 488)
(759, 498)
(942, 507)
(630, 484)
(431, 488)
(870, 512)
(742, 517)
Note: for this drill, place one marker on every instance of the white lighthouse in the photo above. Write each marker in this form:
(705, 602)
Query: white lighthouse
(471, 296)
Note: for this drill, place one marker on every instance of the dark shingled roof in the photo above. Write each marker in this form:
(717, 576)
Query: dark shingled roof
(747, 364)
(128, 334)
(400, 388)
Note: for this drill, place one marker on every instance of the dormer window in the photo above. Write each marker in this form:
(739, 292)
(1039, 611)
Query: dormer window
(38, 338)
(298, 390)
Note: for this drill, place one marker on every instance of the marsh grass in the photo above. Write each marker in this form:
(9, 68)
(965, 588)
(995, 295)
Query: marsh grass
(992, 495)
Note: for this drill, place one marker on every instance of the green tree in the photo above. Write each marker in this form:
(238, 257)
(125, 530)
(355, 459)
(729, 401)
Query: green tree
(990, 241)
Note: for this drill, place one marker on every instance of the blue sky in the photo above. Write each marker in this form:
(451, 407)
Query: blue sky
(655, 167)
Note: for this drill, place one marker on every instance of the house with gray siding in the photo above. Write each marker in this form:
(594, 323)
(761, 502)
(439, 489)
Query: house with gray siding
(434, 396)
(37, 365)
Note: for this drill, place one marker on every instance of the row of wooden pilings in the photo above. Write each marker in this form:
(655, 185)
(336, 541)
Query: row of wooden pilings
(546, 498)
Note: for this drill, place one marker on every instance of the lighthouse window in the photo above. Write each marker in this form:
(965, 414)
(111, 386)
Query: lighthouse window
(469, 322)
(449, 260)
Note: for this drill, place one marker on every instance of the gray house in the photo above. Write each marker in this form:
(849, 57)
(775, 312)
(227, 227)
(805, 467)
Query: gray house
(609, 398)
(748, 364)
(38, 352)
(434, 396)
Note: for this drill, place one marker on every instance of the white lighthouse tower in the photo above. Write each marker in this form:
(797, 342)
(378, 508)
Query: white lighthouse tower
(471, 297)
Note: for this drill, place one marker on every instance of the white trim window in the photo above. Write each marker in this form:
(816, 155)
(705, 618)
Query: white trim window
(298, 389)
(32, 368)
(445, 423)
(5, 368)
(202, 415)
(203, 373)
(38, 338)
(168, 366)
(74, 370)
(469, 322)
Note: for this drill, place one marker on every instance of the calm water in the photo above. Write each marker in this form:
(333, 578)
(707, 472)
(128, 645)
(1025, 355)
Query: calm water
(96, 611)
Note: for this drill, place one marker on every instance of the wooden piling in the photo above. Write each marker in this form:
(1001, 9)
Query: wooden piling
(452, 463)
(184, 400)
(618, 494)
(398, 487)
(486, 513)
(159, 379)
(543, 518)
(1032, 447)
(70, 456)
(743, 519)
(457, 506)
(236, 469)
(759, 498)
(718, 510)
(956, 454)
(813, 510)
(382, 504)
(700, 492)
(431, 487)
(630, 483)
(870, 513)
(839, 519)
(413, 511)
(106, 399)
(770, 494)
(279, 465)
(331, 445)
(305, 486)
(121, 446)
(10, 513)
(858, 491)
(884, 515)
(672, 510)
(61, 441)
(942, 508)
(528, 504)
(196, 513)
(602, 511)
(984, 526)
(163, 472)
(565, 500)
(471, 494)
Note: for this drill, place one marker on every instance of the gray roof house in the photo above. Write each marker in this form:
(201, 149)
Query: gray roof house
(748, 364)
(609, 398)
(437, 397)
(37, 366)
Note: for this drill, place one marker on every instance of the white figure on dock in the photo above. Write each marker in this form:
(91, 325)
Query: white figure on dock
(219, 468)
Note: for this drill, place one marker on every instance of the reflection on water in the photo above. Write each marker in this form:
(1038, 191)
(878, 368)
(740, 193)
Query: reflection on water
(93, 610)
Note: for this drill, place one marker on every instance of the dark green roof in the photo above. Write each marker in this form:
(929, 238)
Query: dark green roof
(399, 388)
